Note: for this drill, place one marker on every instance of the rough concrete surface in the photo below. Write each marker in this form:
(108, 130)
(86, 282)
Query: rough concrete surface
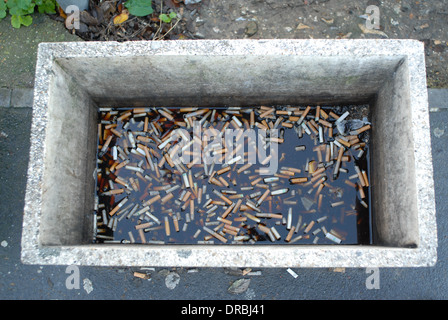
(422, 20)
(18, 281)
(18, 48)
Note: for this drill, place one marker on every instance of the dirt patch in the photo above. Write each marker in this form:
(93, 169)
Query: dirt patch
(287, 19)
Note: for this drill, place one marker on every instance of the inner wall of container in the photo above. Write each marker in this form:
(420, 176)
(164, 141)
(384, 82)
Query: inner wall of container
(357, 228)
(79, 86)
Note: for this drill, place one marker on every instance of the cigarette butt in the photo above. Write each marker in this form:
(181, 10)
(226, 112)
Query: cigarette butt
(263, 228)
(307, 109)
(325, 123)
(141, 275)
(362, 129)
(223, 181)
(319, 202)
(275, 233)
(290, 233)
(345, 143)
(361, 192)
(167, 197)
(176, 223)
(141, 233)
(144, 225)
(237, 206)
(214, 234)
(298, 180)
(318, 171)
(192, 209)
(244, 168)
(360, 176)
(152, 200)
(309, 226)
(351, 184)
(223, 170)
(336, 204)
(263, 197)
(333, 115)
(366, 180)
(167, 227)
(223, 220)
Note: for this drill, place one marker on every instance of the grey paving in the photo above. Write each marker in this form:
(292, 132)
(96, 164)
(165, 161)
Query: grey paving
(18, 281)
(21, 98)
(5, 97)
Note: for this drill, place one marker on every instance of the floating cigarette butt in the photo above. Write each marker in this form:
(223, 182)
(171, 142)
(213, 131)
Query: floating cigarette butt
(244, 168)
(279, 191)
(360, 176)
(251, 217)
(298, 180)
(118, 206)
(309, 226)
(332, 237)
(360, 130)
(144, 225)
(366, 180)
(307, 109)
(364, 204)
(351, 184)
(361, 192)
(105, 147)
(300, 148)
(141, 233)
(223, 170)
(214, 234)
(271, 179)
(167, 227)
(275, 233)
(152, 200)
(290, 233)
(333, 115)
(196, 113)
(263, 197)
(289, 221)
(169, 196)
(336, 204)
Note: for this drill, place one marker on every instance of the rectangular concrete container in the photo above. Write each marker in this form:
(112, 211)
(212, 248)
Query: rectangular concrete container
(74, 79)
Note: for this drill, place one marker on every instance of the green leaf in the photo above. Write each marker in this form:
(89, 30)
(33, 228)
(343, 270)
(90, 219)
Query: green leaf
(173, 15)
(165, 18)
(15, 22)
(46, 6)
(2, 9)
(26, 20)
(139, 8)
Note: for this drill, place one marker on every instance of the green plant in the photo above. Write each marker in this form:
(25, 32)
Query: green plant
(20, 10)
(167, 18)
(139, 8)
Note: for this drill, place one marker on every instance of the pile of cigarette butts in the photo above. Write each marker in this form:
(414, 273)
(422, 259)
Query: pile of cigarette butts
(142, 183)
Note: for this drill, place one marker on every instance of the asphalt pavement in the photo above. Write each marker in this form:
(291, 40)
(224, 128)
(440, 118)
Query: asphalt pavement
(19, 281)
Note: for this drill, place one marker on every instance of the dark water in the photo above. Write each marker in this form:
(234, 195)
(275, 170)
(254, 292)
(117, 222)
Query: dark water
(350, 221)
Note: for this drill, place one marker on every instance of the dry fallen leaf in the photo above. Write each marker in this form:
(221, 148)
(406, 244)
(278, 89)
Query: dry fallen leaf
(62, 13)
(371, 31)
(239, 286)
(122, 17)
(302, 26)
